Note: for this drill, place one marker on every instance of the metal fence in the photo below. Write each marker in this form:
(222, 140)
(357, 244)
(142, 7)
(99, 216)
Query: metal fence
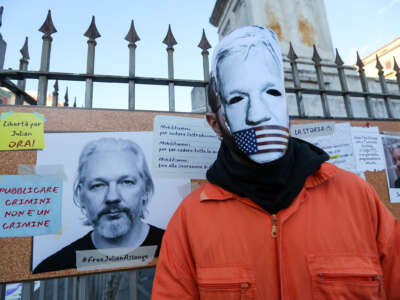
(43, 75)
(134, 285)
(138, 283)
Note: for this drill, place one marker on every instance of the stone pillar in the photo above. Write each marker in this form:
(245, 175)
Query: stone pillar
(301, 22)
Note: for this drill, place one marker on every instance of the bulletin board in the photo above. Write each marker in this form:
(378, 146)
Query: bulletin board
(16, 252)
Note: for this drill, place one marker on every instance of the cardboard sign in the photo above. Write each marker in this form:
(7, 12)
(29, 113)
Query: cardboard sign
(29, 205)
(21, 131)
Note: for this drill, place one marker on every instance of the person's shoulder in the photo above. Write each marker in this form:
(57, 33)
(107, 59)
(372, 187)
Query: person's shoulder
(331, 174)
(66, 257)
(200, 201)
(205, 192)
(347, 186)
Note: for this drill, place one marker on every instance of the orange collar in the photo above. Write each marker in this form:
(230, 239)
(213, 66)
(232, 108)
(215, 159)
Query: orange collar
(213, 192)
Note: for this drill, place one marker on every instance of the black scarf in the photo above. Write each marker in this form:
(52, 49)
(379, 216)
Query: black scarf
(273, 185)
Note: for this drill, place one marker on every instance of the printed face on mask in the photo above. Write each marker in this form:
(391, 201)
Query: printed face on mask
(254, 104)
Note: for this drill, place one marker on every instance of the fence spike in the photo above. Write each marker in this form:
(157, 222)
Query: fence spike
(75, 102)
(24, 50)
(316, 58)
(169, 39)
(204, 44)
(55, 94)
(359, 62)
(338, 59)
(132, 37)
(378, 63)
(92, 33)
(396, 66)
(48, 27)
(66, 97)
(1, 15)
(292, 55)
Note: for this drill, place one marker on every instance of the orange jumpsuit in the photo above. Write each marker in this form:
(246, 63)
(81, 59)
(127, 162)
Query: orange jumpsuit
(336, 241)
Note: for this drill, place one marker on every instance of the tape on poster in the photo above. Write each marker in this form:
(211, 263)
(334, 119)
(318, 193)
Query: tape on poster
(26, 169)
(52, 170)
(55, 170)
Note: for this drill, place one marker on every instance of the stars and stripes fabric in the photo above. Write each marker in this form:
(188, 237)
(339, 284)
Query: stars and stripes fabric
(262, 139)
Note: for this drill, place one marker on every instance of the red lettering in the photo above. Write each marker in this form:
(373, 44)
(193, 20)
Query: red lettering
(14, 213)
(43, 212)
(30, 212)
(55, 189)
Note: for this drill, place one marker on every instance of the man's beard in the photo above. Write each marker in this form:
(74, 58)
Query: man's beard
(115, 221)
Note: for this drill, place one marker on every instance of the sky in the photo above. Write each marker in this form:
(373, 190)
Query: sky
(354, 25)
(363, 25)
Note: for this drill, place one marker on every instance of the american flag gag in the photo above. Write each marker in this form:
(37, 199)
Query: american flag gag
(262, 139)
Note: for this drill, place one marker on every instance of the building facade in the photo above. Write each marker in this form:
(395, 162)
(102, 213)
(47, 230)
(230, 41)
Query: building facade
(386, 56)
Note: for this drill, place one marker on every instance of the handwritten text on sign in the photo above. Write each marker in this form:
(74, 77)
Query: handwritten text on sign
(29, 205)
(21, 131)
(368, 149)
(183, 147)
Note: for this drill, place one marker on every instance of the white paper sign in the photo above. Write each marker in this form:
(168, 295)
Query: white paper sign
(114, 258)
(183, 147)
(337, 142)
(305, 131)
(368, 150)
(391, 148)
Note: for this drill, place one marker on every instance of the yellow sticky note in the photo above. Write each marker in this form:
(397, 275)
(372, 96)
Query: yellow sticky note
(21, 131)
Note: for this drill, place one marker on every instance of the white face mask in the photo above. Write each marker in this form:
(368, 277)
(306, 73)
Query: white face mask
(254, 104)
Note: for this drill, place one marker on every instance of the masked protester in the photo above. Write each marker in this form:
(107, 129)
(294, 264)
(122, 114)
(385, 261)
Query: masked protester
(275, 220)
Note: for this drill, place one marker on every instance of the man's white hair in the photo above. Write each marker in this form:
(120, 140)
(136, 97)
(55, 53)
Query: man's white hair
(242, 41)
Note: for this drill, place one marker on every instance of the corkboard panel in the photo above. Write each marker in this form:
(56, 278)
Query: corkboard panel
(17, 251)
